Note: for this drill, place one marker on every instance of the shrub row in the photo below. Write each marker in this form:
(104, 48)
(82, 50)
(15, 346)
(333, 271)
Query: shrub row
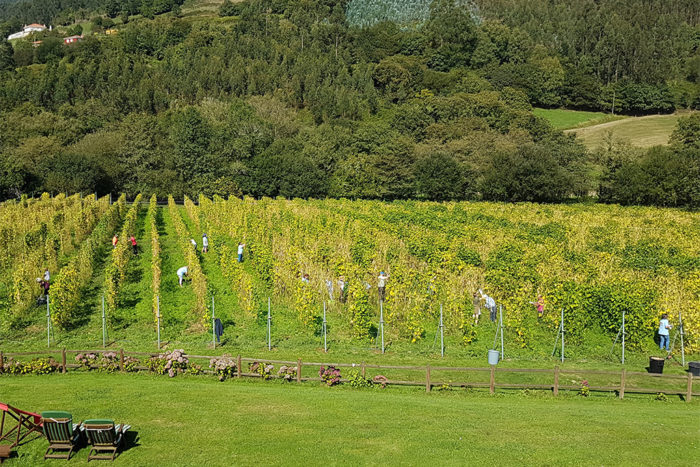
(66, 292)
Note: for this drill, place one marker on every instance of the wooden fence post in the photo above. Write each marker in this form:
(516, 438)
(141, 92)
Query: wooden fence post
(238, 366)
(121, 359)
(427, 378)
(299, 370)
(556, 380)
(492, 381)
(363, 368)
(623, 377)
(689, 394)
(63, 360)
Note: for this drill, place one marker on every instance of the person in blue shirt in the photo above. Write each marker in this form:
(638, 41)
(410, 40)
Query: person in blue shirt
(664, 326)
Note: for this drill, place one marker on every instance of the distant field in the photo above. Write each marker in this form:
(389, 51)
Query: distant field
(563, 119)
(199, 421)
(643, 132)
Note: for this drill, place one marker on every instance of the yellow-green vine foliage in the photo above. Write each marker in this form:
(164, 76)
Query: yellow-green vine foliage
(592, 261)
(156, 260)
(66, 291)
(115, 272)
(62, 225)
(199, 281)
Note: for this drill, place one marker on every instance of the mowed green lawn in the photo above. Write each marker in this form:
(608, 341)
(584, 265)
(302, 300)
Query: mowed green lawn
(199, 421)
(562, 119)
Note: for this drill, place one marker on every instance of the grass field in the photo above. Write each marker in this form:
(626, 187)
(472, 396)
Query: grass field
(563, 119)
(643, 132)
(199, 421)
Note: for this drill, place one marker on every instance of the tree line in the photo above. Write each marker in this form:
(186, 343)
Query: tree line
(284, 98)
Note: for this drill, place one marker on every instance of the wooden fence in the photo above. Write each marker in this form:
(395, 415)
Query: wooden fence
(554, 375)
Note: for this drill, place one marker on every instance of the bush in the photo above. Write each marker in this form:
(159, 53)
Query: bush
(37, 366)
(171, 363)
(224, 367)
(288, 373)
(263, 369)
(356, 380)
(330, 375)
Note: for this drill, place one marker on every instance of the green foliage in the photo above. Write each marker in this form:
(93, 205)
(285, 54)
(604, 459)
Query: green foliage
(224, 367)
(356, 380)
(37, 366)
(637, 302)
(329, 375)
(360, 310)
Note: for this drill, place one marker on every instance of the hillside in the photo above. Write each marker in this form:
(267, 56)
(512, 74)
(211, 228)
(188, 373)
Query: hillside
(291, 98)
(641, 132)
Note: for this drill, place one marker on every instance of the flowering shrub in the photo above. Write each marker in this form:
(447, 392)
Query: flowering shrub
(108, 361)
(585, 390)
(86, 360)
(263, 369)
(381, 380)
(330, 375)
(288, 373)
(224, 367)
(171, 363)
(37, 366)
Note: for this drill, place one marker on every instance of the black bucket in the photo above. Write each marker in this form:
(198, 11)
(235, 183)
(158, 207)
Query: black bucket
(694, 368)
(656, 365)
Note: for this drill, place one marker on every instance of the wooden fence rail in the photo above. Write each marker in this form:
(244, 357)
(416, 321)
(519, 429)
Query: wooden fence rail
(428, 371)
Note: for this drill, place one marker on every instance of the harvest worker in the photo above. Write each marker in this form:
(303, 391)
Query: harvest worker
(341, 287)
(490, 304)
(664, 326)
(181, 273)
(194, 244)
(47, 275)
(240, 252)
(381, 285)
(205, 243)
(115, 239)
(476, 300)
(133, 244)
(539, 305)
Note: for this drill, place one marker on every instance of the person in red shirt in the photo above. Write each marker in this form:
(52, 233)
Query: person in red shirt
(133, 244)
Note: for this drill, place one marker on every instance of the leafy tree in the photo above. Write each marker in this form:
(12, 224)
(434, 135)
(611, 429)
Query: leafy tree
(440, 178)
(531, 173)
(74, 173)
(7, 61)
(452, 34)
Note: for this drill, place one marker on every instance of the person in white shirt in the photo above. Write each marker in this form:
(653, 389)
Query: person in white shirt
(181, 273)
(490, 305)
(47, 275)
(240, 252)
(205, 243)
(194, 244)
(381, 285)
(664, 326)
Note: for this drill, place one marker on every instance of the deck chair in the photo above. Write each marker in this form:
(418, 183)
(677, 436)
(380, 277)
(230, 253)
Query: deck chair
(104, 436)
(27, 423)
(62, 433)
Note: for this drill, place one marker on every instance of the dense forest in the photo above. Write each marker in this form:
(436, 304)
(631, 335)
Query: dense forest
(302, 98)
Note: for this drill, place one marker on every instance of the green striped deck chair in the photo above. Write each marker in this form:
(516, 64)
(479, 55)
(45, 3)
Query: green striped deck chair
(104, 436)
(62, 433)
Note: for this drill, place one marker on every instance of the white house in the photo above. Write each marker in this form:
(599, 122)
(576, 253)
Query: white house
(34, 27)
